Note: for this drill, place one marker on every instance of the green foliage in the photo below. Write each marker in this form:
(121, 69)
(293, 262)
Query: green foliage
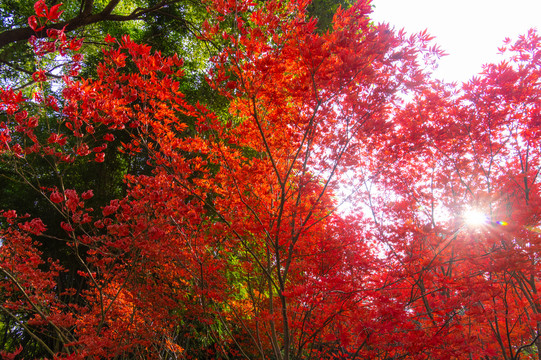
(324, 11)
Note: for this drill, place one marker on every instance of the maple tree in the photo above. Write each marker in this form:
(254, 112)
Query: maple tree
(231, 243)
(470, 288)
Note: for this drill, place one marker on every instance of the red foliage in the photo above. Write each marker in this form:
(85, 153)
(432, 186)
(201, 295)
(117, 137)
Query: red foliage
(236, 231)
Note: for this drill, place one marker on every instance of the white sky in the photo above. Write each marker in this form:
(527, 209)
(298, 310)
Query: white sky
(470, 31)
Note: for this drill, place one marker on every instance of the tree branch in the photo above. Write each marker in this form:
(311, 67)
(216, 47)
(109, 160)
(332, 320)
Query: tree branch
(85, 17)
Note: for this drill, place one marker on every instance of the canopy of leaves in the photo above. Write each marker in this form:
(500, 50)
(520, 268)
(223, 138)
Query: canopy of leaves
(271, 195)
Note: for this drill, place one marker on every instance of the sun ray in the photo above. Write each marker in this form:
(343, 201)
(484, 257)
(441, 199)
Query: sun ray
(474, 217)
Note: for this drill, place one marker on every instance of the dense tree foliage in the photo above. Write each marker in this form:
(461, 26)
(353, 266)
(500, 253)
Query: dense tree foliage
(315, 195)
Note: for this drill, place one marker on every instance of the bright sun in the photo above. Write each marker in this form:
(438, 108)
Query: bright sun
(474, 217)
